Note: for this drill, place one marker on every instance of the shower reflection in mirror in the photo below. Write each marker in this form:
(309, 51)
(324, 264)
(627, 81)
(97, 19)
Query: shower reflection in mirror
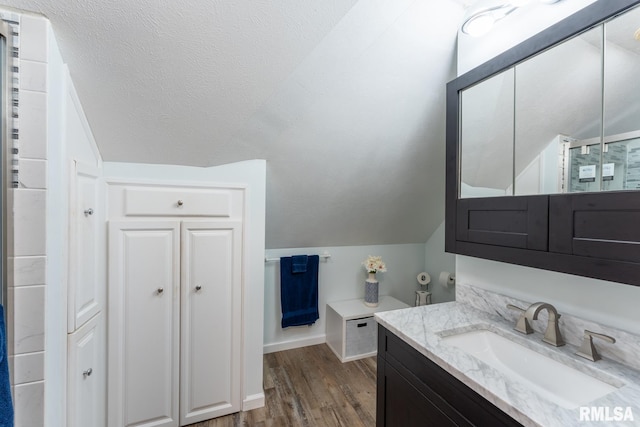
(566, 120)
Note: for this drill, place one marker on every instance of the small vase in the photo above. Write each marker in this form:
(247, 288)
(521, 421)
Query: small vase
(371, 286)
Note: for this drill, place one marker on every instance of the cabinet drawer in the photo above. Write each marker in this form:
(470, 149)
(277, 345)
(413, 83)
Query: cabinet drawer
(361, 336)
(183, 202)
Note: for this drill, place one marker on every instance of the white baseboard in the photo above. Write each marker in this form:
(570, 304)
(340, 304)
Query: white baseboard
(288, 345)
(253, 401)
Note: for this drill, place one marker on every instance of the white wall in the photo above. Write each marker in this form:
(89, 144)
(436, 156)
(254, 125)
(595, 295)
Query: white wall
(252, 174)
(341, 277)
(437, 261)
(605, 302)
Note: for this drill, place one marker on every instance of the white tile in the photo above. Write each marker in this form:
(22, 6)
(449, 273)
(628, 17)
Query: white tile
(33, 76)
(28, 367)
(29, 222)
(10, 314)
(33, 173)
(9, 213)
(29, 404)
(33, 38)
(33, 125)
(27, 271)
(27, 322)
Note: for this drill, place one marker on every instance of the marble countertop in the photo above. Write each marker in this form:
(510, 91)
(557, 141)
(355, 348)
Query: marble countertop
(424, 327)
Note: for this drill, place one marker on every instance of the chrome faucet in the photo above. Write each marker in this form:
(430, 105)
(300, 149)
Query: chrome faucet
(552, 334)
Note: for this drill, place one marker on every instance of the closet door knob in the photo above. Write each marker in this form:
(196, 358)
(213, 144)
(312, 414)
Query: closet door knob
(87, 373)
(160, 291)
(88, 212)
(180, 203)
(198, 287)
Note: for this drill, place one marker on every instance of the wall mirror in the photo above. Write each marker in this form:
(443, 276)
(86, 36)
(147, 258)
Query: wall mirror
(486, 139)
(621, 149)
(543, 147)
(558, 101)
(565, 120)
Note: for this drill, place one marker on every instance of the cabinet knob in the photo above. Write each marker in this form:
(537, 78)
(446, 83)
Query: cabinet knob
(160, 291)
(198, 287)
(88, 212)
(87, 373)
(180, 203)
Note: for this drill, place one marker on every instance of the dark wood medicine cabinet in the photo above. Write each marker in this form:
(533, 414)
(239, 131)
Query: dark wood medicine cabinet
(563, 199)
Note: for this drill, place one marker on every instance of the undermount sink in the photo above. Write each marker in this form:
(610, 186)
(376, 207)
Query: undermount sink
(555, 381)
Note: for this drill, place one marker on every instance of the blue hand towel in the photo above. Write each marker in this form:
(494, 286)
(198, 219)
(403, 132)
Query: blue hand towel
(299, 263)
(299, 292)
(6, 406)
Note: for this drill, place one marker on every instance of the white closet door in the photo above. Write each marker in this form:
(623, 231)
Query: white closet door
(87, 375)
(144, 275)
(210, 320)
(85, 294)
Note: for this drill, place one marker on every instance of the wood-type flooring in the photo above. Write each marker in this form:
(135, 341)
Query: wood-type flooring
(309, 386)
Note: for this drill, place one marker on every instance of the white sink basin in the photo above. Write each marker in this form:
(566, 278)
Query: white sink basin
(552, 380)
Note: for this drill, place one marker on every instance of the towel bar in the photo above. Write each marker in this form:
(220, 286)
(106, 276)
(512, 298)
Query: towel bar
(324, 255)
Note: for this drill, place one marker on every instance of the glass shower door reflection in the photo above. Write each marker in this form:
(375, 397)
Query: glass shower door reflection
(584, 168)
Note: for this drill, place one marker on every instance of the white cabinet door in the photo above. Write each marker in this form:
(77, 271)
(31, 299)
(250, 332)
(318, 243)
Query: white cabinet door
(144, 277)
(87, 375)
(210, 320)
(85, 294)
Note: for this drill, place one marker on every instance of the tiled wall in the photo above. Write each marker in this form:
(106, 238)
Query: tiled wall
(27, 251)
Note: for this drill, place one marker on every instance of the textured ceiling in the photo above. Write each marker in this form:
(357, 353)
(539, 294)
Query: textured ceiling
(344, 99)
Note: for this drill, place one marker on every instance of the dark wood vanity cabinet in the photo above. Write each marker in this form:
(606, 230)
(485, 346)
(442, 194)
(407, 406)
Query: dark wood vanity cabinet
(593, 235)
(414, 391)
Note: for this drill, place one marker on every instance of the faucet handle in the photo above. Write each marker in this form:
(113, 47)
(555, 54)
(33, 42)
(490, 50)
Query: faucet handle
(522, 325)
(587, 349)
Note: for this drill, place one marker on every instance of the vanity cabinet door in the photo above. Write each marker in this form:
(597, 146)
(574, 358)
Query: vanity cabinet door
(512, 222)
(144, 279)
(407, 406)
(86, 290)
(210, 320)
(87, 375)
(605, 226)
(413, 390)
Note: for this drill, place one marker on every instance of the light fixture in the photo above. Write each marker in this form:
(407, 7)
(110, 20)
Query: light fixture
(482, 15)
(480, 19)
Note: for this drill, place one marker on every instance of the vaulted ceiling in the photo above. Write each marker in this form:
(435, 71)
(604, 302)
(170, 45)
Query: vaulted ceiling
(343, 98)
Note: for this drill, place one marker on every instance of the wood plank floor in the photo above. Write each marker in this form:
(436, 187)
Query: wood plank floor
(310, 387)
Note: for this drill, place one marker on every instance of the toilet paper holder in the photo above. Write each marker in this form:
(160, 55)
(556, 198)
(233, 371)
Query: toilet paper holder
(423, 298)
(447, 279)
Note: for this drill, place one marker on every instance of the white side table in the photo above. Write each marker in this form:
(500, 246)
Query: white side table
(352, 331)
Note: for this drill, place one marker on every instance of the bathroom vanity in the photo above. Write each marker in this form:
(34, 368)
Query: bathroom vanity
(414, 391)
(427, 376)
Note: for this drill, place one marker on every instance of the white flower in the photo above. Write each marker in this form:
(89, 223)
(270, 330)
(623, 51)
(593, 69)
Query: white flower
(374, 264)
